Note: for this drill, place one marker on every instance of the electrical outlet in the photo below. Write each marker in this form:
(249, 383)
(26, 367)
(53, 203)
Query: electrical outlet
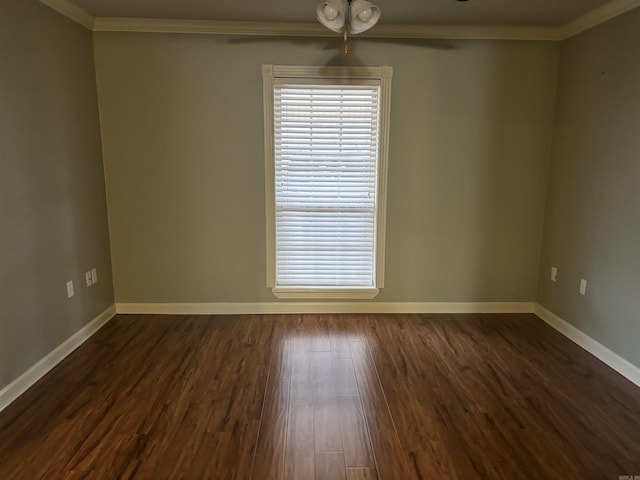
(583, 286)
(70, 292)
(87, 277)
(94, 275)
(554, 274)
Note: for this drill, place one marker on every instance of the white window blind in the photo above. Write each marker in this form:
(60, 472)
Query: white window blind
(326, 143)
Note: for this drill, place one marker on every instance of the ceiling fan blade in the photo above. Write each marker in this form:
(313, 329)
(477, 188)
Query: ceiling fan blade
(336, 42)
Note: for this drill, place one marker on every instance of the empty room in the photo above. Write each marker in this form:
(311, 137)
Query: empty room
(320, 239)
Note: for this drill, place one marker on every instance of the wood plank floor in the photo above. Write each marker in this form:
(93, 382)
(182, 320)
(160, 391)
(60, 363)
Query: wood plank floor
(349, 397)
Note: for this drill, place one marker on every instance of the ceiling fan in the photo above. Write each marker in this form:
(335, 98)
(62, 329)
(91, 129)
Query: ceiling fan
(348, 17)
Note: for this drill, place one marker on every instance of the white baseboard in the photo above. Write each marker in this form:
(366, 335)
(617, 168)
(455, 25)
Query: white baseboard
(20, 385)
(322, 307)
(612, 359)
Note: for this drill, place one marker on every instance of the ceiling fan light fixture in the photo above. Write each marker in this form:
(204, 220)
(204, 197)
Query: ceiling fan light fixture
(331, 14)
(364, 15)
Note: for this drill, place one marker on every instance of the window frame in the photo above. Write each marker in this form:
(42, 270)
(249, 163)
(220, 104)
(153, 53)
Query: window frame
(325, 74)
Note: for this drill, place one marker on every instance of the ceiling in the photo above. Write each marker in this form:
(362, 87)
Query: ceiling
(551, 13)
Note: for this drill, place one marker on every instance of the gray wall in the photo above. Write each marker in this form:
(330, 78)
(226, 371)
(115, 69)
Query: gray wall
(183, 145)
(52, 199)
(592, 228)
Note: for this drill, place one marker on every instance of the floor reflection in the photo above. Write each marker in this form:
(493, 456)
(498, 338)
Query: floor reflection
(320, 382)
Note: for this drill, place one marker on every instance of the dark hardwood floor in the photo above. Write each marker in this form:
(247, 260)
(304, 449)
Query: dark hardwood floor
(350, 397)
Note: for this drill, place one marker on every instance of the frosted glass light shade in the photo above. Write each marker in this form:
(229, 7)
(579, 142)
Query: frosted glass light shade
(364, 15)
(331, 14)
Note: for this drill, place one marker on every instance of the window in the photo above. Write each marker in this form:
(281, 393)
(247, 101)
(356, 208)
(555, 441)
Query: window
(326, 136)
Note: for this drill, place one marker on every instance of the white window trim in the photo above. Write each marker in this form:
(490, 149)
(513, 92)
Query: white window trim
(384, 75)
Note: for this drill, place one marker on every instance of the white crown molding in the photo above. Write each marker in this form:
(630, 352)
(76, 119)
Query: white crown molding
(612, 359)
(20, 385)
(321, 307)
(72, 11)
(597, 16)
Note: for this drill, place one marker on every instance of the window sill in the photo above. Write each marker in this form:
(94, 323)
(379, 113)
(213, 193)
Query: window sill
(324, 293)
